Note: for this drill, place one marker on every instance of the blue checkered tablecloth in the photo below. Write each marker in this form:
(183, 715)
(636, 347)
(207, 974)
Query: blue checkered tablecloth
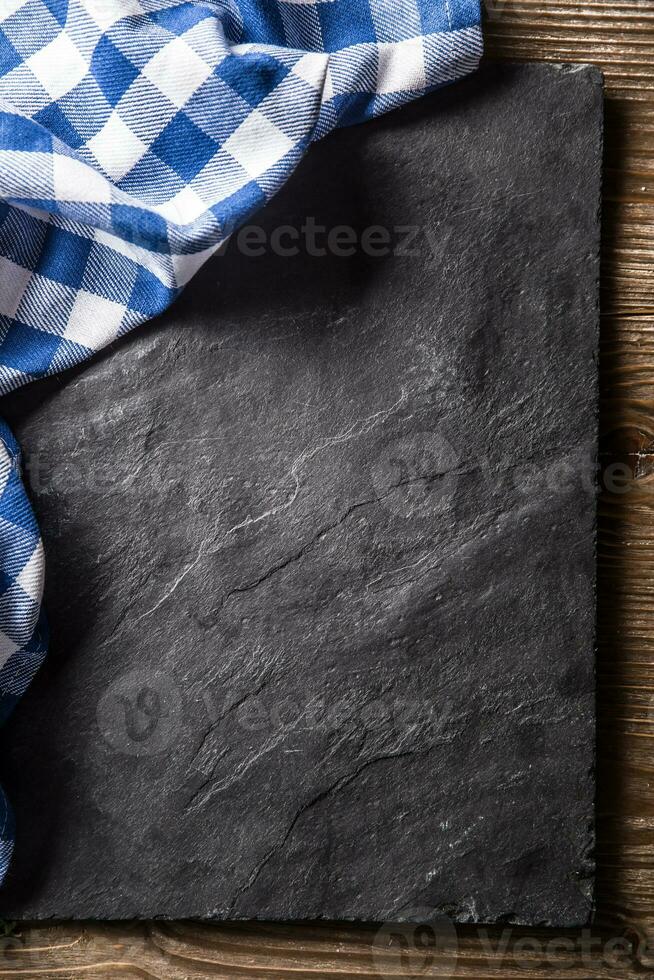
(135, 136)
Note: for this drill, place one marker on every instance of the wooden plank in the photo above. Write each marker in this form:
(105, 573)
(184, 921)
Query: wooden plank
(619, 38)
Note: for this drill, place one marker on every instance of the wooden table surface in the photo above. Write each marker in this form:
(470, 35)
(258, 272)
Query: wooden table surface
(618, 37)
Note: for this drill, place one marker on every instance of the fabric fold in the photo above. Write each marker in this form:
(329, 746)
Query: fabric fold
(136, 135)
(23, 631)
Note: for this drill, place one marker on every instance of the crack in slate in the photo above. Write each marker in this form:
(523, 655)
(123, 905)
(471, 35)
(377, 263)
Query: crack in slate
(335, 787)
(234, 706)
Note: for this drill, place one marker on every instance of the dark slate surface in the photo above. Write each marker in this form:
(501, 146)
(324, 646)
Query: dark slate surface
(321, 550)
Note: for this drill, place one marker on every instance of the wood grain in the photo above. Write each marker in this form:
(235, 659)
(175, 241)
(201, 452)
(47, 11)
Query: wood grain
(619, 38)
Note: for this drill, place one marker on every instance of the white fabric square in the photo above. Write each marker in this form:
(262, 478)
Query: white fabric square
(184, 207)
(177, 71)
(58, 66)
(106, 13)
(13, 280)
(186, 266)
(257, 144)
(401, 66)
(94, 321)
(312, 69)
(31, 576)
(116, 147)
(78, 181)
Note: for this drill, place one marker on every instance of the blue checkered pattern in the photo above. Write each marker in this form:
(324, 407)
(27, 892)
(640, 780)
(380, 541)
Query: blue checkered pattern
(135, 137)
(23, 634)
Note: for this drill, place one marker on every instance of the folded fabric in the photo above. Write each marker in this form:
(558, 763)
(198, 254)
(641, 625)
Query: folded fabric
(23, 633)
(135, 137)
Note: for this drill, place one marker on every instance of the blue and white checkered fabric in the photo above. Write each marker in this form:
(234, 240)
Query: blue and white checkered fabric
(23, 633)
(135, 136)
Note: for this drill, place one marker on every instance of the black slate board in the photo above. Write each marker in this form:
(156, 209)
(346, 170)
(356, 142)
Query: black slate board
(321, 550)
